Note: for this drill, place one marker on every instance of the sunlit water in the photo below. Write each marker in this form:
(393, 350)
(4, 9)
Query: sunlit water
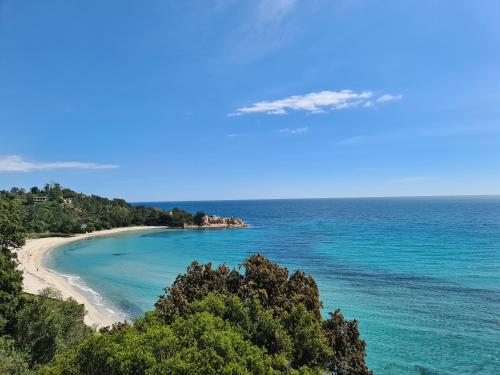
(422, 275)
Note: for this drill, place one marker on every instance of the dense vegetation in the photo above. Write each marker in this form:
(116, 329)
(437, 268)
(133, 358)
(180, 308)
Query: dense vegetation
(210, 321)
(219, 321)
(54, 209)
(32, 328)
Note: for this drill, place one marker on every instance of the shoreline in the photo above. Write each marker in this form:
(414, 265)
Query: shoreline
(37, 277)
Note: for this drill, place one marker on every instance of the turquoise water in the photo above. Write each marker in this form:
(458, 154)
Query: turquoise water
(422, 275)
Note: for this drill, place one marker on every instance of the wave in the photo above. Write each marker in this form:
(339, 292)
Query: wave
(96, 299)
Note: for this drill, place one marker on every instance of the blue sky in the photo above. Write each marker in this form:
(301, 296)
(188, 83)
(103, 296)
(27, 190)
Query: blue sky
(226, 99)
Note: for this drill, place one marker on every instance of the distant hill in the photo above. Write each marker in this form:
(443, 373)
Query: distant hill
(57, 210)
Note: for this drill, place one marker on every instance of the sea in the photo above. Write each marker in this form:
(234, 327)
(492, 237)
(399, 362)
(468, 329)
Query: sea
(421, 275)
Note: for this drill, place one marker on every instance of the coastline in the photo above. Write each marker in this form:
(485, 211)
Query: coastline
(37, 277)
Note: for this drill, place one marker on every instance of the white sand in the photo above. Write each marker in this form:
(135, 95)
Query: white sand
(36, 277)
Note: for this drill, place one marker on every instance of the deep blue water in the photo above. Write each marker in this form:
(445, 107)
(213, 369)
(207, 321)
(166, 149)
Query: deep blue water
(422, 275)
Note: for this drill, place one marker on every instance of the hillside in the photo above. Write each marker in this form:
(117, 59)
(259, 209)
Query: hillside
(57, 210)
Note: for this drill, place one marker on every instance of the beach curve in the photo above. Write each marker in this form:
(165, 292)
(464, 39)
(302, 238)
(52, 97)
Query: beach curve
(37, 277)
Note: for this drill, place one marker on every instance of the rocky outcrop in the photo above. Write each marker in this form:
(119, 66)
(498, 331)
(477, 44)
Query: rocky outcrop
(213, 221)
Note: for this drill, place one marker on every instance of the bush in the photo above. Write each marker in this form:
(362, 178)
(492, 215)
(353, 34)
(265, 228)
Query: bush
(11, 237)
(203, 341)
(46, 325)
(12, 361)
(198, 218)
(291, 302)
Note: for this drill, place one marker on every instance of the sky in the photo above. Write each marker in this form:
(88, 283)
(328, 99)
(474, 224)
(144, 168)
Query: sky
(231, 99)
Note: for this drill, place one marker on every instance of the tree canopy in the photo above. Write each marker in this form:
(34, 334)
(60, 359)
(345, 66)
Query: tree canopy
(11, 237)
(54, 209)
(291, 303)
(221, 321)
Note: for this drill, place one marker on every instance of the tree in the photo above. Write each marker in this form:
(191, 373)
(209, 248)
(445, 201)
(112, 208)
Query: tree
(196, 283)
(198, 218)
(46, 325)
(310, 347)
(12, 361)
(178, 218)
(211, 321)
(11, 229)
(210, 338)
(292, 301)
(11, 237)
(263, 279)
(55, 214)
(349, 351)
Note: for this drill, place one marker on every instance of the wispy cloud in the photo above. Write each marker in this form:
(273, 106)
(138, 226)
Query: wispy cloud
(16, 163)
(431, 132)
(274, 10)
(316, 102)
(294, 131)
(388, 98)
(267, 26)
(231, 135)
(351, 140)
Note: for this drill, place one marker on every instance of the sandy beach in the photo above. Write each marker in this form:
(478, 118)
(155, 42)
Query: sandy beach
(36, 277)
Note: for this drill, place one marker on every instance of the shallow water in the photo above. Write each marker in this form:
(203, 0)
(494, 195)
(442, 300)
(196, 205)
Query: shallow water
(422, 275)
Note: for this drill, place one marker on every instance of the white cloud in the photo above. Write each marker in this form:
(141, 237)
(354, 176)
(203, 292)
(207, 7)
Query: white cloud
(389, 98)
(15, 163)
(231, 135)
(294, 131)
(315, 102)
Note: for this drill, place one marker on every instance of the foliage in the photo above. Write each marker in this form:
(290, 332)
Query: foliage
(293, 302)
(12, 361)
(11, 237)
(46, 325)
(34, 328)
(224, 322)
(209, 339)
(348, 349)
(54, 209)
(198, 218)
(10, 289)
(11, 228)
(264, 280)
(179, 218)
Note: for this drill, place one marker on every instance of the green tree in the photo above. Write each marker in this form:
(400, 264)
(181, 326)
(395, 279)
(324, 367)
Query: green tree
(46, 325)
(83, 213)
(215, 321)
(310, 347)
(11, 237)
(202, 341)
(178, 218)
(198, 218)
(292, 301)
(262, 279)
(348, 350)
(12, 361)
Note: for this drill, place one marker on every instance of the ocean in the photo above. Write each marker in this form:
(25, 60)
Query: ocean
(421, 275)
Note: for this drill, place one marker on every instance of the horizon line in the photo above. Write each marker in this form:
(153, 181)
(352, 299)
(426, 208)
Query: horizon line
(496, 195)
